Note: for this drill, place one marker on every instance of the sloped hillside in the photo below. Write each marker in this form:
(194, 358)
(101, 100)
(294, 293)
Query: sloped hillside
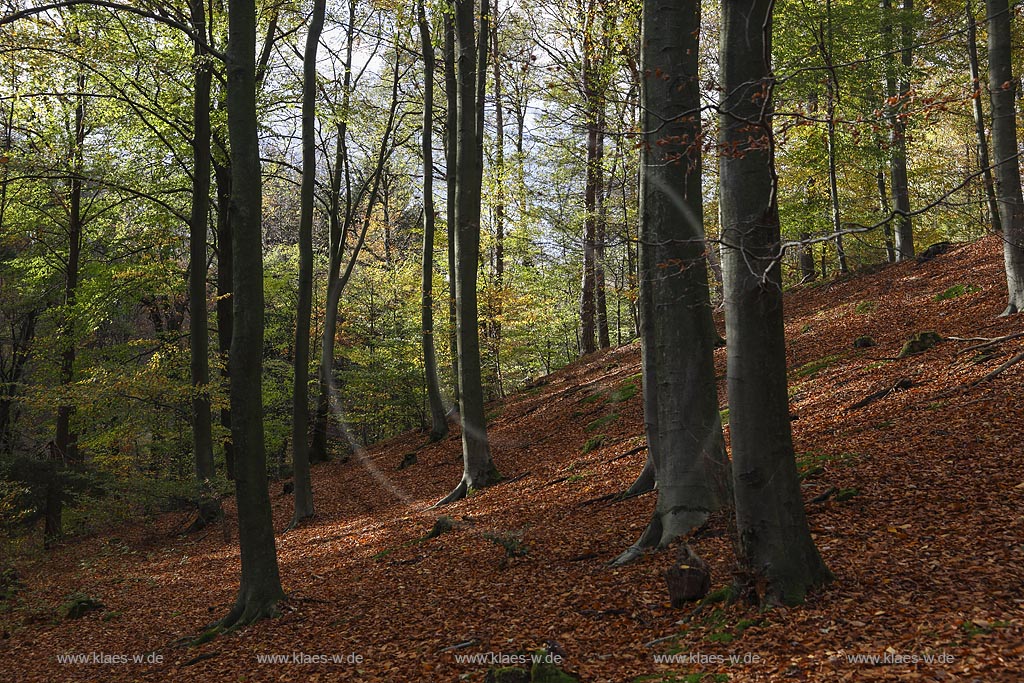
(915, 500)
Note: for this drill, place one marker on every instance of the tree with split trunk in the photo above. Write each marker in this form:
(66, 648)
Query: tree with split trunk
(677, 334)
(260, 585)
(438, 420)
(774, 546)
(1003, 89)
(479, 470)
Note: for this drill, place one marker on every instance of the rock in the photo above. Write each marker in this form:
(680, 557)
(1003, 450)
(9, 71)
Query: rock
(934, 250)
(443, 525)
(408, 460)
(507, 674)
(689, 579)
(863, 342)
(78, 605)
(922, 341)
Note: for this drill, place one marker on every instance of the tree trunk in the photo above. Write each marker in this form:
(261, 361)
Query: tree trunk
(438, 421)
(199, 335)
(478, 467)
(260, 585)
(807, 271)
(883, 202)
(300, 387)
(684, 432)
(774, 548)
(601, 236)
(65, 447)
(897, 102)
(225, 316)
(588, 302)
(1003, 89)
(338, 230)
(499, 209)
(832, 97)
(979, 120)
(451, 92)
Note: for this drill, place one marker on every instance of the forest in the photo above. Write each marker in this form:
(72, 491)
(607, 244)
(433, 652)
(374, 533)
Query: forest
(511, 341)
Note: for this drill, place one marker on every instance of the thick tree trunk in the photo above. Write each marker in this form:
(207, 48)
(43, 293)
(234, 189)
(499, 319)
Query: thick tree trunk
(300, 386)
(438, 421)
(199, 334)
(1003, 88)
(775, 548)
(260, 585)
(979, 120)
(684, 432)
(478, 467)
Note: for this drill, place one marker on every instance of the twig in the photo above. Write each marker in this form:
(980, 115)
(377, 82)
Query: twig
(986, 342)
(998, 371)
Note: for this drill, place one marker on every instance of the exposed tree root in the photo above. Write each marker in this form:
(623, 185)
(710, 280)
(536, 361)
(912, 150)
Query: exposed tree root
(457, 494)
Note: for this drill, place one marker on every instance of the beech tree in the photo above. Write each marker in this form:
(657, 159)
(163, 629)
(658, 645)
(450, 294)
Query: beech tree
(300, 390)
(438, 420)
(1002, 89)
(260, 586)
(774, 545)
(479, 470)
(677, 334)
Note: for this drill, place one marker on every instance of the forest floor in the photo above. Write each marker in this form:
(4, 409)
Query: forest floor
(924, 531)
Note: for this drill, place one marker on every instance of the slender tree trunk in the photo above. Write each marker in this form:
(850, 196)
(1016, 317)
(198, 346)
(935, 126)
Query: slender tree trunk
(199, 335)
(684, 432)
(831, 100)
(438, 422)
(979, 120)
(601, 236)
(1003, 89)
(498, 172)
(883, 203)
(338, 229)
(225, 315)
(478, 467)
(774, 549)
(895, 112)
(260, 585)
(300, 387)
(451, 92)
(588, 306)
(65, 446)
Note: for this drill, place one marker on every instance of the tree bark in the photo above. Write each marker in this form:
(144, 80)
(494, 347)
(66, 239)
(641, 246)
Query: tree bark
(260, 585)
(684, 432)
(979, 120)
(300, 387)
(1003, 88)
(199, 334)
(775, 549)
(65, 446)
(895, 112)
(498, 172)
(438, 421)
(451, 92)
(478, 467)
(225, 317)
